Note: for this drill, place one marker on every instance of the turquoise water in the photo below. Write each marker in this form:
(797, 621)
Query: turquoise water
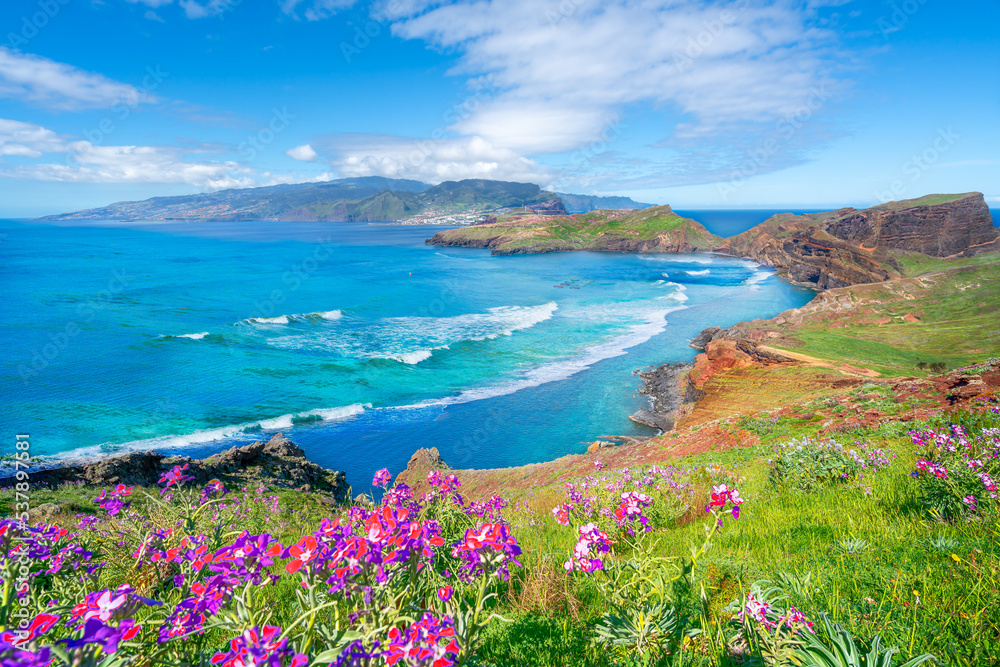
(359, 341)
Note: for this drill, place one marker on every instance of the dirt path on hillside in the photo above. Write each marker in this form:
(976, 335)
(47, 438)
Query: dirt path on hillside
(846, 369)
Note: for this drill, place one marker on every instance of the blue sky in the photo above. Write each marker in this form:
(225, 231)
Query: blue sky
(738, 104)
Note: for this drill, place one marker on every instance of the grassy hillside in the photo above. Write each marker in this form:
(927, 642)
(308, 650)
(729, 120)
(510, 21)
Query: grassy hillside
(657, 227)
(944, 312)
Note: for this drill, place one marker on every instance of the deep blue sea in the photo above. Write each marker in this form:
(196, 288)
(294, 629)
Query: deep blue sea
(358, 341)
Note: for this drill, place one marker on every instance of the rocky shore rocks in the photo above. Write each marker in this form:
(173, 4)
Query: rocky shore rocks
(670, 391)
(278, 462)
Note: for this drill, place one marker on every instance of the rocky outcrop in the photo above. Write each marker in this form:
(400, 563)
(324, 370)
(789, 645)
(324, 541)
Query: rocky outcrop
(549, 207)
(278, 462)
(852, 247)
(725, 353)
(937, 229)
(670, 392)
(808, 256)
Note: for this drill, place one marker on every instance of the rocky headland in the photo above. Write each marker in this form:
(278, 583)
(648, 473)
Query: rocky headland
(818, 250)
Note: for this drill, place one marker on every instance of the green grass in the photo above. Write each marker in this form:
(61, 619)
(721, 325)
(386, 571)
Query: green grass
(782, 535)
(926, 200)
(783, 532)
(956, 305)
(916, 264)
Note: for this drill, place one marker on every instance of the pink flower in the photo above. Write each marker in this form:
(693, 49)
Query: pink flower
(382, 478)
(561, 513)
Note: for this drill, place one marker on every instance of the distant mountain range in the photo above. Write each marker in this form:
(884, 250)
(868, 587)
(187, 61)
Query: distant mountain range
(367, 199)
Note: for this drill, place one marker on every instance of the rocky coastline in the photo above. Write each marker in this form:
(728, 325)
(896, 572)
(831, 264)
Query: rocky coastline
(670, 392)
(821, 251)
(276, 463)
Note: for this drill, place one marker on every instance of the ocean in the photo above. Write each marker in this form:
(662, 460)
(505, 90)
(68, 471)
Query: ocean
(358, 341)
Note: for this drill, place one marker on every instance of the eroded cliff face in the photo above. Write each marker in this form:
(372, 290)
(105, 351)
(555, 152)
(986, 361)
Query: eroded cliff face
(818, 250)
(851, 247)
(809, 256)
(939, 230)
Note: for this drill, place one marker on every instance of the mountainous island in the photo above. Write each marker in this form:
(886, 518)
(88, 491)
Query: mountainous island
(366, 199)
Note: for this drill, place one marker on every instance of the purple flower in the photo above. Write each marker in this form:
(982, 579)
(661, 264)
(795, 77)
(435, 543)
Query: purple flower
(175, 477)
(96, 632)
(382, 478)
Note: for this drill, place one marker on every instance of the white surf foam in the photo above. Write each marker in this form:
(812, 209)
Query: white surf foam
(209, 436)
(194, 336)
(698, 273)
(679, 294)
(757, 277)
(411, 357)
(411, 340)
(655, 323)
(280, 319)
(297, 317)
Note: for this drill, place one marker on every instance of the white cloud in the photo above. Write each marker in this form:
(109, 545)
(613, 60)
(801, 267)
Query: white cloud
(85, 162)
(304, 153)
(193, 9)
(564, 70)
(28, 140)
(317, 9)
(431, 161)
(52, 85)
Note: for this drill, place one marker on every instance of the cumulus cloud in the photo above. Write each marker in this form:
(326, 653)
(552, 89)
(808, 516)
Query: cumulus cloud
(304, 153)
(564, 70)
(431, 160)
(85, 162)
(27, 139)
(53, 85)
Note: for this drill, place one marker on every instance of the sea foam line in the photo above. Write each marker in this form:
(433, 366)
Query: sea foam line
(560, 370)
(208, 436)
(286, 319)
(194, 336)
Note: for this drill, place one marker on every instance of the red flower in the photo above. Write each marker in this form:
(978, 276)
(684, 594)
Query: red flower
(303, 552)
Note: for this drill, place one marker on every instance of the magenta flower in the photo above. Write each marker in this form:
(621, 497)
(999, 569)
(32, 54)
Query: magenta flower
(36, 628)
(430, 641)
(175, 477)
(382, 478)
(259, 647)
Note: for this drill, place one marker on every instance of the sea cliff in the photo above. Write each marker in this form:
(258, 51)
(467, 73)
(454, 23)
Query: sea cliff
(819, 250)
